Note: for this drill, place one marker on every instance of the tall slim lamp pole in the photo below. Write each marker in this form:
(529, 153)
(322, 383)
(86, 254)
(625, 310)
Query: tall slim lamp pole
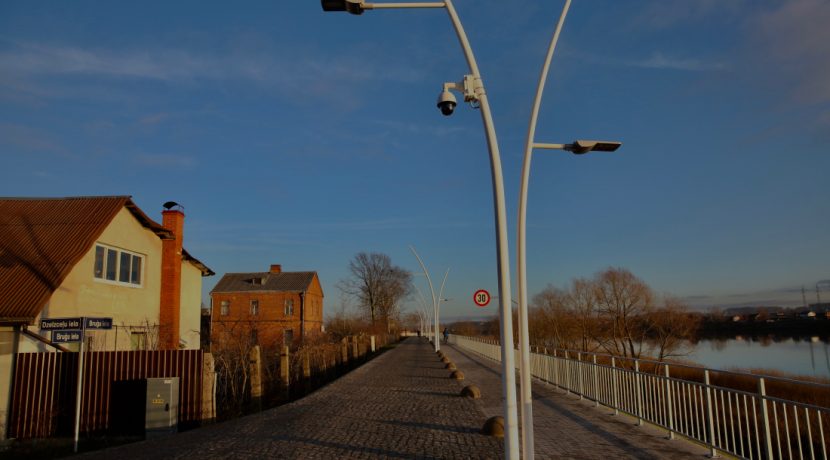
(475, 92)
(578, 147)
(526, 396)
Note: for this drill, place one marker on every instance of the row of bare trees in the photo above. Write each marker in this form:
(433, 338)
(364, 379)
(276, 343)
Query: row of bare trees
(614, 312)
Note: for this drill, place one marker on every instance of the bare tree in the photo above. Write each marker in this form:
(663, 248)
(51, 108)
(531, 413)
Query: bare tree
(623, 300)
(377, 286)
(582, 303)
(672, 327)
(550, 322)
(343, 323)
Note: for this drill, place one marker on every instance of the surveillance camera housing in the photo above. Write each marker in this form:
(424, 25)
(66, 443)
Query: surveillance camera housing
(447, 103)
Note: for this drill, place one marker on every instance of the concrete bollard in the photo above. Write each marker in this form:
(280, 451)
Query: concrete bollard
(457, 375)
(373, 343)
(450, 366)
(494, 426)
(471, 391)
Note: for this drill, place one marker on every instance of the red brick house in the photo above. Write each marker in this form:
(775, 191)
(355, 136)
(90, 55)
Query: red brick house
(270, 308)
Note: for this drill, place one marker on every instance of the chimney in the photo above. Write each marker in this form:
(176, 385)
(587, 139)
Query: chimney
(276, 269)
(171, 280)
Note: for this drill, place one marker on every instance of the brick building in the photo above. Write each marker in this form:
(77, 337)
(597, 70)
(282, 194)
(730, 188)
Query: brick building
(269, 308)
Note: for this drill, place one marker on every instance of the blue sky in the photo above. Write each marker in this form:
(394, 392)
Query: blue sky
(297, 137)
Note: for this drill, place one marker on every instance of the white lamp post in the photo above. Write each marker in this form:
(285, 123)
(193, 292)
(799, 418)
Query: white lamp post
(436, 301)
(578, 147)
(474, 93)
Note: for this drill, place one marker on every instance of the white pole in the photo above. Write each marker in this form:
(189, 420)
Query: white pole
(524, 340)
(80, 384)
(432, 291)
(508, 372)
(511, 439)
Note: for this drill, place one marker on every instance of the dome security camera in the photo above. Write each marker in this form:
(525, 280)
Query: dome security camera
(446, 102)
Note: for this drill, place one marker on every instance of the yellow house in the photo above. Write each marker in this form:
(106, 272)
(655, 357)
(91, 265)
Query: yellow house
(94, 257)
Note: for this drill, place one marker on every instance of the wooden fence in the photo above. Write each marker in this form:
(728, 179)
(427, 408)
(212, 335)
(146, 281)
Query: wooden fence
(45, 386)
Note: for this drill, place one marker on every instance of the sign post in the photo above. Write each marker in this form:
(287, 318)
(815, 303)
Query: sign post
(71, 330)
(80, 385)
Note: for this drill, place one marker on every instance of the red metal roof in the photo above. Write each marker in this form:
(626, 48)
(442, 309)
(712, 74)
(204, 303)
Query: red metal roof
(41, 240)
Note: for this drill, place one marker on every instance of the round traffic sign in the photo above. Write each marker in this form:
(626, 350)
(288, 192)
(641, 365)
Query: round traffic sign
(481, 298)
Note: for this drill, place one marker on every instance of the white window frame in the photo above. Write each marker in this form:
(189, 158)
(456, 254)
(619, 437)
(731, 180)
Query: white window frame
(118, 255)
(224, 308)
(289, 307)
(254, 307)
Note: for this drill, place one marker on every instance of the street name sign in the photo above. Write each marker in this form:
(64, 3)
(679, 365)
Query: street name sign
(59, 336)
(98, 323)
(481, 298)
(51, 324)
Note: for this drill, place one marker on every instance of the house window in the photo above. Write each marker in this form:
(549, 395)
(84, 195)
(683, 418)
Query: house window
(138, 340)
(289, 307)
(254, 307)
(117, 265)
(254, 338)
(225, 308)
(288, 337)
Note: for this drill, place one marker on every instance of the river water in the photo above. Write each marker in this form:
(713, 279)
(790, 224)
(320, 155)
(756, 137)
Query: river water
(808, 356)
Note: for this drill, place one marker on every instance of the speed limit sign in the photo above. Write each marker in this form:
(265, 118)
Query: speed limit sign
(481, 298)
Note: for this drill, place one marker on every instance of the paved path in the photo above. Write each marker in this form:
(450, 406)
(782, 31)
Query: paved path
(566, 427)
(403, 405)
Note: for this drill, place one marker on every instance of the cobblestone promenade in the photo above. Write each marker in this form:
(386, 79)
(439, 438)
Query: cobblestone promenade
(403, 405)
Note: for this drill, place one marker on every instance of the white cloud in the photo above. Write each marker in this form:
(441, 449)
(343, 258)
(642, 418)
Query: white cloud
(36, 59)
(660, 61)
(669, 13)
(657, 60)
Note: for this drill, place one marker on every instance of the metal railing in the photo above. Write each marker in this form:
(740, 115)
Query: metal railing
(746, 424)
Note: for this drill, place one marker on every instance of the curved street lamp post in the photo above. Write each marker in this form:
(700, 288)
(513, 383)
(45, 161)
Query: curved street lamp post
(436, 301)
(473, 90)
(578, 147)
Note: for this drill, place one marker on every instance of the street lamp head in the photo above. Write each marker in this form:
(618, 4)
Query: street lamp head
(584, 146)
(446, 102)
(352, 6)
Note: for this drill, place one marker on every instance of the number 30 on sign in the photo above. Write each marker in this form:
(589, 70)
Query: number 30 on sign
(481, 298)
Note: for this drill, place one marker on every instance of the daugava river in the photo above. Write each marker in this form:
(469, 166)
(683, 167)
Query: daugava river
(809, 356)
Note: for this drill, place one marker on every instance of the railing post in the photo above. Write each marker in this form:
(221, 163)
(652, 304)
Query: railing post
(556, 369)
(762, 396)
(567, 363)
(579, 374)
(595, 370)
(614, 388)
(638, 382)
(669, 402)
(710, 417)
